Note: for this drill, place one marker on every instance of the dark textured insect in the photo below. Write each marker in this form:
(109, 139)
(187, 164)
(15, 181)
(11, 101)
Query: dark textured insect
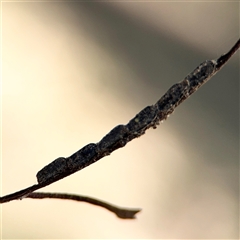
(142, 121)
(52, 170)
(122, 134)
(201, 75)
(61, 165)
(114, 139)
(81, 158)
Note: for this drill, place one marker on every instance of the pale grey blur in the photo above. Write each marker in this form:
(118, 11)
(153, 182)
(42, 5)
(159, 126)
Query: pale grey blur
(73, 71)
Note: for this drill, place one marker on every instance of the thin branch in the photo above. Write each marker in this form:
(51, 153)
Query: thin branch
(124, 213)
(118, 137)
(225, 57)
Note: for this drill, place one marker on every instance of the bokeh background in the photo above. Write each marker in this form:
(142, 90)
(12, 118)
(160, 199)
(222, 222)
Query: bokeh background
(71, 71)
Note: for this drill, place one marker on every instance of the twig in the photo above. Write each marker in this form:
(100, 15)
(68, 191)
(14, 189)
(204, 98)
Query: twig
(122, 134)
(123, 213)
(225, 57)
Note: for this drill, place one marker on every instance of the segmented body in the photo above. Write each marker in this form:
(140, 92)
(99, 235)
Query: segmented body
(119, 136)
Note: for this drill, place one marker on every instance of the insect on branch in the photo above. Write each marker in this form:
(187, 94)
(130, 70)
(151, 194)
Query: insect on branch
(119, 136)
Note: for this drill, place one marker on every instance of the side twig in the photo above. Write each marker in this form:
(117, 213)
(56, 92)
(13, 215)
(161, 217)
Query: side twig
(119, 136)
(120, 212)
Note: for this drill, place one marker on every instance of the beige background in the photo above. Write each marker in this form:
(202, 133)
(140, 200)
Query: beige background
(73, 71)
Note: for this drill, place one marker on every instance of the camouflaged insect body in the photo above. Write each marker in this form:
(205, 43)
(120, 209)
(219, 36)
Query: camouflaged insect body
(119, 136)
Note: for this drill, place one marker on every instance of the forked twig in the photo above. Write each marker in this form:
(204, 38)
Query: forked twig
(122, 134)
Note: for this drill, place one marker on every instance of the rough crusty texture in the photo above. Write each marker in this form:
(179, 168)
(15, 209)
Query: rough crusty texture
(119, 136)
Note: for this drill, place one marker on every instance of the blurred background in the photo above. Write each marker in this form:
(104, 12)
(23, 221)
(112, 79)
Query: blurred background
(71, 71)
